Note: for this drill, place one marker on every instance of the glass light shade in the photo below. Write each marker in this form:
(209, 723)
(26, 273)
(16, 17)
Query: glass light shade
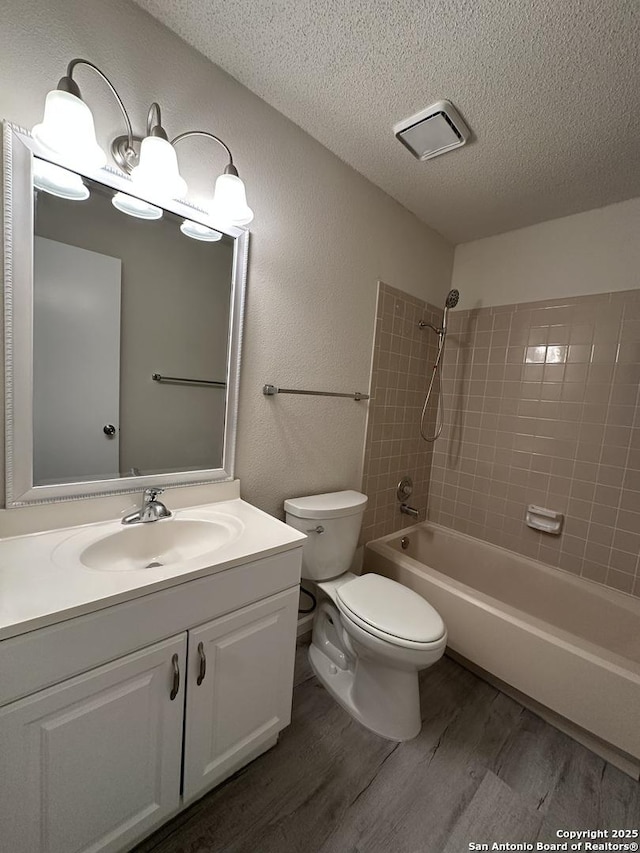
(67, 129)
(58, 181)
(157, 172)
(230, 201)
(133, 206)
(200, 232)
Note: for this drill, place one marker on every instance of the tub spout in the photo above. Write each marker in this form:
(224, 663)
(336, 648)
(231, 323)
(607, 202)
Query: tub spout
(409, 510)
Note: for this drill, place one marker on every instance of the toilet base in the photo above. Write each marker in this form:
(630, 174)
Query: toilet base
(383, 699)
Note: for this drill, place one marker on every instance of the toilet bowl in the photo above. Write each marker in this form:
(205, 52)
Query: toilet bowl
(371, 635)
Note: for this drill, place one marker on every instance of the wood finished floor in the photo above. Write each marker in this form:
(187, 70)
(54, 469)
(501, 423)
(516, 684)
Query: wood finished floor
(483, 769)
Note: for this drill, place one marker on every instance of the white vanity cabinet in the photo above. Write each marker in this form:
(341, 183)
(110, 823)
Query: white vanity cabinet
(238, 689)
(112, 722)
(94, 761)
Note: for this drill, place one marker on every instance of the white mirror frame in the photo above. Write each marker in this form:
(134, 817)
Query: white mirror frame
(18, 150)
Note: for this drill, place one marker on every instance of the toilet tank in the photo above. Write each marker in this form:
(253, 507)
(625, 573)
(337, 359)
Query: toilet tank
(332, 523)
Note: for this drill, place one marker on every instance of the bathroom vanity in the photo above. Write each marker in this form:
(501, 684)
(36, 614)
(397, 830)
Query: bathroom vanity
(142, 663)
(127, 694)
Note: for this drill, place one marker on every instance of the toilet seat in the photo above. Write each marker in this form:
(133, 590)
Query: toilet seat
(391, 612)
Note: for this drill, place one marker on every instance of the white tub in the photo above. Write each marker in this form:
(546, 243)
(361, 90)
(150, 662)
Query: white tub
(570, 645)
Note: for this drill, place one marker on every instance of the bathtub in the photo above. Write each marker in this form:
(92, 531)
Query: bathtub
(570, 646)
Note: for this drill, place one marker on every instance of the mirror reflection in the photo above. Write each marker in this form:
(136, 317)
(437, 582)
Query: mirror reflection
(131, 329)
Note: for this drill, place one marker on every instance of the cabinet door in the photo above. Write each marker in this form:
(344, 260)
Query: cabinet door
(94, 762)
(244, 698)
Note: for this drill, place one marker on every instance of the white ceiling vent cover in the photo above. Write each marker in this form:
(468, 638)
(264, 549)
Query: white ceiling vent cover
(433, 131)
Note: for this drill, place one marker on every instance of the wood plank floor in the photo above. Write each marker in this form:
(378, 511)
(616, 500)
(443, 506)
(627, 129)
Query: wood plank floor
(483, 769)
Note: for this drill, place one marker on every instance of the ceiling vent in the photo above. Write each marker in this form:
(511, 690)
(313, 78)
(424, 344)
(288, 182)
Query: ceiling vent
(433, 131)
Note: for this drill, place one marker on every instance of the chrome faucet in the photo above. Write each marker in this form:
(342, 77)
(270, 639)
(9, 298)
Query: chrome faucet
(409, 510)
(151, 510)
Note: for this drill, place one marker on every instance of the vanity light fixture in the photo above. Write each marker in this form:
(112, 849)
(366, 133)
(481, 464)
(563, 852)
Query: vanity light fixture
(157, 172)
(229, 203)
(230, 199)
(67, 129)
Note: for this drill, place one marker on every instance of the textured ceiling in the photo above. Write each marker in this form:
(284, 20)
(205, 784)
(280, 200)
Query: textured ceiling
(550, 88)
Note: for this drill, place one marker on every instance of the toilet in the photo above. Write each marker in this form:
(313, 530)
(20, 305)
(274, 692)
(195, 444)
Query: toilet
(371, 635)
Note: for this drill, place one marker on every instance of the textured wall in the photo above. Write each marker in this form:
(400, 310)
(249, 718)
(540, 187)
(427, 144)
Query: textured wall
(543, 407)
(587, 253)
(403, 355)
(321, 239)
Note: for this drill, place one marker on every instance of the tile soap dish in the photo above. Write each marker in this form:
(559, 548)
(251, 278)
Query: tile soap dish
(547, 520)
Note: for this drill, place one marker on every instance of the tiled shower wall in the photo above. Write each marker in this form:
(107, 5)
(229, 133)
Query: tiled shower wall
(403, 356)
(542, 407)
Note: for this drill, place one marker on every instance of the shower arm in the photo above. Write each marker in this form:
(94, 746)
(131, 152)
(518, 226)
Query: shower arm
(423, 325)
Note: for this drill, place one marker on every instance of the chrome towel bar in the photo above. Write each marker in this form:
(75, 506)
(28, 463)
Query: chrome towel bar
(271, 390)
(158, 377)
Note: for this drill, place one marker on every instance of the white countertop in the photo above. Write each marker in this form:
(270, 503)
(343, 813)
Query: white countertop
(37, 588)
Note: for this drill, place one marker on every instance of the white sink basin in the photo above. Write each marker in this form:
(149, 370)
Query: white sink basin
(156, 544)
(49, 577)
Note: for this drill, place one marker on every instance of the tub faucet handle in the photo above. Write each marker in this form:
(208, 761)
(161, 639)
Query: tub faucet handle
(405, 489)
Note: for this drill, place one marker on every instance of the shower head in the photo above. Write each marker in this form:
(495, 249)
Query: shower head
(450, 302)
(452, 299)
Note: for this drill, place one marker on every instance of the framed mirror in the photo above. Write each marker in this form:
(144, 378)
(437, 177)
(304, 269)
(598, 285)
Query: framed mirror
(123, 324)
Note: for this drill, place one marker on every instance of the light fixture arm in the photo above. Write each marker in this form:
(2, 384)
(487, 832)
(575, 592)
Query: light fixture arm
(154, 122)
(230, 168)
(68, 84)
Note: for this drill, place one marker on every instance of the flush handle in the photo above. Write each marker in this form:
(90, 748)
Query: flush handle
(319, 529)
(176, 678)
(203, 664)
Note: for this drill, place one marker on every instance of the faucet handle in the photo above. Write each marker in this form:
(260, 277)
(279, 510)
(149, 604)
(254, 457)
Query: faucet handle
(152, 493)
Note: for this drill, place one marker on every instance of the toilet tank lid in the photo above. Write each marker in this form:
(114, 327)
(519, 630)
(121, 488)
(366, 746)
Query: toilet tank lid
(331, 505)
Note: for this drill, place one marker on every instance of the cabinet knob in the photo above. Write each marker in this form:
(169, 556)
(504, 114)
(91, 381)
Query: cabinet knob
(176, 678)
(203, 664)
